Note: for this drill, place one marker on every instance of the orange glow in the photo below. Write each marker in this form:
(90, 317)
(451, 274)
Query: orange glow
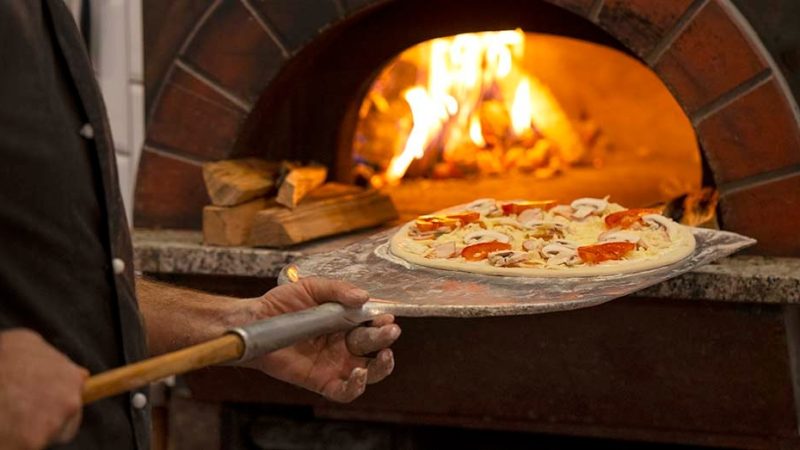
(473, 106)
(521, 113)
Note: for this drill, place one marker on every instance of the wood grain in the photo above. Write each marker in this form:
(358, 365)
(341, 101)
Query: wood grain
(299, 182)
(230, 225)
(235, 181)
(280, 227)
(226, 348)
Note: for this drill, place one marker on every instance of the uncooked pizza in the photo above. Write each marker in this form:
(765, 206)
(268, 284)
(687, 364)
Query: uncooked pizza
(590, 236)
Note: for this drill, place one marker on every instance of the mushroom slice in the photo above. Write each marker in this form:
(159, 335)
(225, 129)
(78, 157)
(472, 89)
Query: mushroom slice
(485, 206)
(505, 258)
(443, 250)
(657, 221)
(533, 245)
(545, 230)
(556, 254)
(479, 236)
(619, 236)
(530, 215)
(566, 243)
(585, 207)
(423, 235)
(564, 211)
(507, 221)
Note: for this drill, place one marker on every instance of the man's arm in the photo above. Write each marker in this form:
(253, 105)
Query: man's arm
(337, 366)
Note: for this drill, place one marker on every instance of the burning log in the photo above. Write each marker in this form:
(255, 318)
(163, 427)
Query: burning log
(298, 182)
(236, 181)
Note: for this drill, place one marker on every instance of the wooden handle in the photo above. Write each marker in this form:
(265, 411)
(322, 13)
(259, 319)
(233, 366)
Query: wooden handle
(226, 348)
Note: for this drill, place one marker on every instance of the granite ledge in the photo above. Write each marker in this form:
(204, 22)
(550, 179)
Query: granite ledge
(743, 279)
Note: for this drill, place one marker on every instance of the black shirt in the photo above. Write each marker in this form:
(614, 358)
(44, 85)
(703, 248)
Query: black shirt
(61, 217)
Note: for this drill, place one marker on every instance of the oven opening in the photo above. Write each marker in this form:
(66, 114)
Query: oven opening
(512, 114)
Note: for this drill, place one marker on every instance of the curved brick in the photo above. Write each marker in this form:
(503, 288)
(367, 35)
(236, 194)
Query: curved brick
(234, 50)
(756, 133)
(296, 21)
(769, 213)
(167, 24)
(637, 24)
(711, 57)
(169, 192)
(181, 119)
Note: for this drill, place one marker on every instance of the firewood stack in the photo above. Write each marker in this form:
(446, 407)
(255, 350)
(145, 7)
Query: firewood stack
(267, 204)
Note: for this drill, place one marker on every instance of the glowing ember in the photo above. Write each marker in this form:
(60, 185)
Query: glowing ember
(472, 109)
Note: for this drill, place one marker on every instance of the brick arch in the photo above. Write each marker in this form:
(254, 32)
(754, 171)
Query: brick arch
(704, 50)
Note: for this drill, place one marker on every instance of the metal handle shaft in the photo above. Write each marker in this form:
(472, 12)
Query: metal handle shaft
(281, 331)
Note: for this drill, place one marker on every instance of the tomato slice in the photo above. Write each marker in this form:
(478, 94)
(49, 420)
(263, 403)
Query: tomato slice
(593, 254)
(629, 217)
(465, 217)
(477, 252)
(518, 207)
(433, 223)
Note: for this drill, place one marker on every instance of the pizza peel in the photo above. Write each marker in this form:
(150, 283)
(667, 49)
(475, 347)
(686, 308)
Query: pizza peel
(404, 290)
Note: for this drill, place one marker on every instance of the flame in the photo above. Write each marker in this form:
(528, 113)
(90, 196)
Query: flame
(475, 132)
(428, 118)
(459, 76)
(521, 109)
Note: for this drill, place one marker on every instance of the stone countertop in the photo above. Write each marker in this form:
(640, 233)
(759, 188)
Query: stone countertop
(745, 279)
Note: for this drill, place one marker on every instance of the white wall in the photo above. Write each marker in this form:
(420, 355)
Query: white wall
(117, 54)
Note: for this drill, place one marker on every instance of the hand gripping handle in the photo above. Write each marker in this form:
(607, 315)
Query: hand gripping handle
(281, 331)
(240, 344)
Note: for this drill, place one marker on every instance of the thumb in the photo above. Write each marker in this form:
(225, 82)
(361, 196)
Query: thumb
(323, 290)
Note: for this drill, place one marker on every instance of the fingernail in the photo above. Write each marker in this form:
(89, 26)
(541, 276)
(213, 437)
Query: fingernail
(394, 332)
(357, 294)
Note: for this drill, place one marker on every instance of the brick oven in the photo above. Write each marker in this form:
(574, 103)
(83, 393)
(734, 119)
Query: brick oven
(287, 79)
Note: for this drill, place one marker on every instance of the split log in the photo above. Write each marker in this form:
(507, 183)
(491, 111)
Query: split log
(230, 225)
(298, 182)
(280, 227)
(235, 181)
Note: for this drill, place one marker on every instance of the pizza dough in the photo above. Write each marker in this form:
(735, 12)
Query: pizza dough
(588, 237)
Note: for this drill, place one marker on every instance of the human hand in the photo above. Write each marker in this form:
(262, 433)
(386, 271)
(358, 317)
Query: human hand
(338, 365)
(40, 392)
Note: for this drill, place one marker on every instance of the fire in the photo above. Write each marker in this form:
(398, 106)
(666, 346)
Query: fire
(472, 108)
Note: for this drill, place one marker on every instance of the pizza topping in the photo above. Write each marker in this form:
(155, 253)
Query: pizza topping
(546, 231)
(485, 206)
(564, 211)
(533, 245)
(506, 258)
(477, 252)
(436, 223)
(627, 218)
(465, 217)
(444, 250)
(531, 214)
(509, 222)
(518, 207)
(557, 253)
(585, 207)
(619, 236)
(481, 236)
(608, 251)
(658, 221)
